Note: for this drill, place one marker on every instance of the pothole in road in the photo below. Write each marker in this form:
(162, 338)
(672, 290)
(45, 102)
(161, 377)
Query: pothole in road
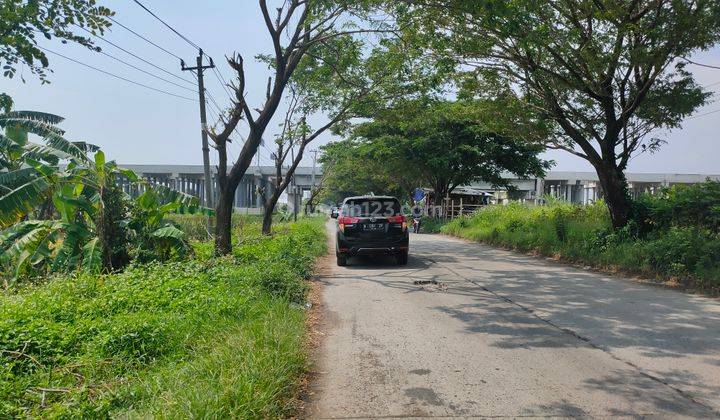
(431, 285)
(424, 282)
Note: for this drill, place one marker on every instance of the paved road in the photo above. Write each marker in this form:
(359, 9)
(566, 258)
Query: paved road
(470, 331)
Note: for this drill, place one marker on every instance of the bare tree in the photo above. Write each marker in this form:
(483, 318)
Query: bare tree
(315, 193)
(295, 135)
(297, 29)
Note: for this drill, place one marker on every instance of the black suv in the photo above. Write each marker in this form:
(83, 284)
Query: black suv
(371, 225)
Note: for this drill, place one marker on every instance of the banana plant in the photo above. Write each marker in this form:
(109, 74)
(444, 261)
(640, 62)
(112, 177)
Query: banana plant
(158, 238)
(67, 242)
(94, 225)
(26, 167)
(90, 232)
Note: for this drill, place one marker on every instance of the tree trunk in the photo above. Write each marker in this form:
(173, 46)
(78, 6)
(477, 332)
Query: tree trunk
(614, 187)
(268, 210)
(223, 220)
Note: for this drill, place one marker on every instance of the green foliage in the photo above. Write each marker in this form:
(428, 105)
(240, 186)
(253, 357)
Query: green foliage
(6, 102)
(682, 205)
(438, 144)
(602, 74)
(203, 337)
(88, 221)
(675, 234)
(154, 236)
(432, 225)
(349, 174)
(21, 22)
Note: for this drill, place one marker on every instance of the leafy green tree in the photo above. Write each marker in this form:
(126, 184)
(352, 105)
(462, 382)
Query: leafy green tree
(95, 226)
(22, 22)
(6, 103)
(606, 73)
(444, 145)
(348, 172)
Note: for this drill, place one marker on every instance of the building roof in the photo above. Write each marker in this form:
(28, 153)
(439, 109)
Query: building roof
(375, 197)
(632, 176)
(198, 169)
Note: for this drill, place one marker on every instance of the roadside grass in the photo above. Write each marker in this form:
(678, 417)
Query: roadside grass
(684, 253)
(195, 226)
(207, 337)
(431, 225)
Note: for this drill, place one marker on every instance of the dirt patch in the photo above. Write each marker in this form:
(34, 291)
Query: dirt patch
(317, 321)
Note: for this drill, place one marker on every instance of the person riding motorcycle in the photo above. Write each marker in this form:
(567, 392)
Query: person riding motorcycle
(416, 215)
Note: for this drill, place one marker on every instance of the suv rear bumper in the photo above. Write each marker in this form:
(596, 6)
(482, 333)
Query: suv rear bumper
(367, 247)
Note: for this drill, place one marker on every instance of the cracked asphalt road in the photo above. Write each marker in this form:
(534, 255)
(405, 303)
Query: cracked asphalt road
(466, 330)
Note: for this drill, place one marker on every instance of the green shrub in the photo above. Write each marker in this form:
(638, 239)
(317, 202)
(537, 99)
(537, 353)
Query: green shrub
(695, 205)
(206, 337)
(674, 236)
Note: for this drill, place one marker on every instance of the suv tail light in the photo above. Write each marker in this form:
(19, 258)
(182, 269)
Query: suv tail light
(344, 221)
(400, 220)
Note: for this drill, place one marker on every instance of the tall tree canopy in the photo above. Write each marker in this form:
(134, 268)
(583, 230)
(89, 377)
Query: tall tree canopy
(439, 144)
(605, 72)
(23, 21)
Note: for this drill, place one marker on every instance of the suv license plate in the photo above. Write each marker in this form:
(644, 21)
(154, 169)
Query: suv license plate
(373, 226)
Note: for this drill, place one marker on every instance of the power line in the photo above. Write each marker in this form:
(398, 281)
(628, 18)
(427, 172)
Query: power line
(702, 115)
(223, 83)
(700, 64)
(167, 25)
(212, 99)
(235, 129)
(145, 71)
(135, 55)
(144, 38)
(116, 76)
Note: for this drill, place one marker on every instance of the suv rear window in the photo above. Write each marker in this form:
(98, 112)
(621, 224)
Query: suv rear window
(368, 207)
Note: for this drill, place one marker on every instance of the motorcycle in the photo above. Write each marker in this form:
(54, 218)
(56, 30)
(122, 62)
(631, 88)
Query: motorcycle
(416, 225)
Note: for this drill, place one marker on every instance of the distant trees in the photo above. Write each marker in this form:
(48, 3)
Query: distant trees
(348, 172)
(438, 144)
(606, 73)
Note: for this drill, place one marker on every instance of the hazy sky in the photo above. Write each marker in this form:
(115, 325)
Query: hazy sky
(136, 125)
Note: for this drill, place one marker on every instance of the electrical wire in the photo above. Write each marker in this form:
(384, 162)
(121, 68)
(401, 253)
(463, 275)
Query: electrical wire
(135, 55)
(144, 38)
(116, 76)
(146, 72)
(214, 102)
(223, 83)
(703, 115)
(700, 64)
(209, 95)
(167, 25)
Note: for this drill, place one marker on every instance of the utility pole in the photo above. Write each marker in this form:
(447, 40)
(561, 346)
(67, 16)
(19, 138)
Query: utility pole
(203, 123)
(295, 204)
(314, 152)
